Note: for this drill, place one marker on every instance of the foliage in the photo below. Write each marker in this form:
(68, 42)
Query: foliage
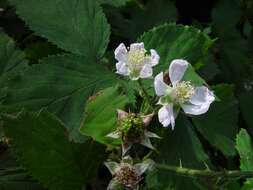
(65, 93)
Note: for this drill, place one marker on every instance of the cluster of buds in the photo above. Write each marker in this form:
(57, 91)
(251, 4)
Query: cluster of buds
(126, 174)
(132, 129)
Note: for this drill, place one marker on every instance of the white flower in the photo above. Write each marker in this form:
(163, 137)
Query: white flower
(126, 174)
(194, 100)
(134, 61)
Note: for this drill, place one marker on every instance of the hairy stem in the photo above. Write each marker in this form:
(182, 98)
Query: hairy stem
(145, 94)
(194, 173)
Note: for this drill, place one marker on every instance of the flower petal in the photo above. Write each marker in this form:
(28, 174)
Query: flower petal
(146, 119)
(196, 109)
(121, 53)
(122, 68)
(146, 71)
(202, 95)
(112, 167)
(177, 69)
(137, 46)
(154, 57)
(166, 116)
(160, 85)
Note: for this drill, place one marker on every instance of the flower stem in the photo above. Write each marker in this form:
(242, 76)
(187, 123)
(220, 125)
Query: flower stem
(194, 173)
(145, 95)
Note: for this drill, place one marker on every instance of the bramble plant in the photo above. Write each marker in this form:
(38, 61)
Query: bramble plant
(113, 94)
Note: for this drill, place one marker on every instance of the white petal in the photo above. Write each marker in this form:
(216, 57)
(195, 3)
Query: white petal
(121, 53)
(154, 57)
(160, 85)
(137, 46)
(146, 71)
(202, 95)
(177, 69)
(166, 116)
(196, 109)
(122, 68)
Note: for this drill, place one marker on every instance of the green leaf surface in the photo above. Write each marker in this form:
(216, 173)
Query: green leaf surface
(12, 60)
(76, 26)
(42, 146)
(115, 3)
(178, 147)
(246, 106)
(101, 115)
(220, 124)
(17, 179)
(245, 150)
(62, 84)
(173, 41)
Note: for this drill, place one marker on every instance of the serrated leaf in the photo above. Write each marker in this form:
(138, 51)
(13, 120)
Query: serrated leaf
(220, 124)
(178, 147)
(12, 60)
(173, 41)
(245, 150)
(62, 84)
(42, 146)
(101, 115)
(76, 26)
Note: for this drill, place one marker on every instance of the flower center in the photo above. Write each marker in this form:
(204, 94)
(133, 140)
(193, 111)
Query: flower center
(136, 57)
(131, 128)
(183, 91)
(127, 176)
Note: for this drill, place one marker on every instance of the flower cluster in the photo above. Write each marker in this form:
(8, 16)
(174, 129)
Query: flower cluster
(126, 174)
(174, 93)
(131, 129)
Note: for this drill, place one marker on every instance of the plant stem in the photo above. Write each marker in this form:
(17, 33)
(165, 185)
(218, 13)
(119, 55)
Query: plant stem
(194, 173)
(145, 94)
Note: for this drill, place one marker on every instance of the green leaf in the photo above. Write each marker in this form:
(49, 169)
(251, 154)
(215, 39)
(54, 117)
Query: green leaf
(178, 147)
(42, 146)
(245, 150)
(17, 179)
(232, 47)
(101, 115)
(12, 60)
(76, 26)
(115, 3)
(62, 84)
(246, 106)
(219, 124)
(173, 41)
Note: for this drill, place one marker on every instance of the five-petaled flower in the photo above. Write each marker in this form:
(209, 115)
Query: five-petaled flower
(194, 100)
(134, 61)
(126, 174)
(132, 129)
